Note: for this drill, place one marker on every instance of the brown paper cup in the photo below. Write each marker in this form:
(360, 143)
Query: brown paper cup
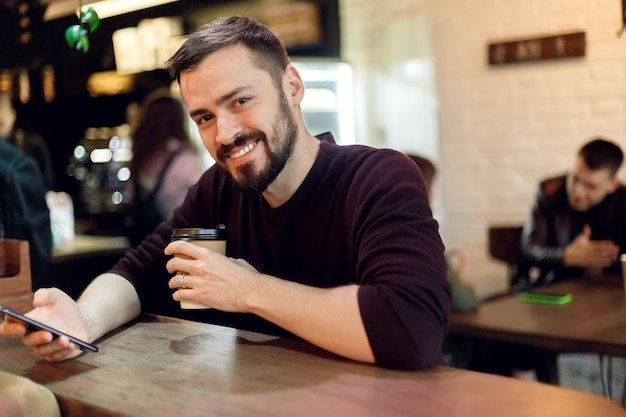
(213, 239)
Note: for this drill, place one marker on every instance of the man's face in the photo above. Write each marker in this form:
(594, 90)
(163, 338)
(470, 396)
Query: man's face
(586, 188)
(245, 121)
(7, 119)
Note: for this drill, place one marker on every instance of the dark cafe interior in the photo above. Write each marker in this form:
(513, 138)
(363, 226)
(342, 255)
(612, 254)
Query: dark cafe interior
(514, 112)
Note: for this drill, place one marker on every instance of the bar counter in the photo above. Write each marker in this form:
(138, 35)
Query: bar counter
(76, 264)
(88, 246)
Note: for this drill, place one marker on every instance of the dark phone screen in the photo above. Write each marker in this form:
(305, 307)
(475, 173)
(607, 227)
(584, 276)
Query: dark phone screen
(56, 333)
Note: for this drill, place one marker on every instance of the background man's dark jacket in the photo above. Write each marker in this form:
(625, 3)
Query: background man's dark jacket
(24, 214)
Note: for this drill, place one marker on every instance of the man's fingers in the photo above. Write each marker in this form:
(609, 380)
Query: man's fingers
(60, 355)
(12, 328)
(37, 338)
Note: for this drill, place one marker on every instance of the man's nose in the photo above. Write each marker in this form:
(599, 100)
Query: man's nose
(579, 189)
(228, 127)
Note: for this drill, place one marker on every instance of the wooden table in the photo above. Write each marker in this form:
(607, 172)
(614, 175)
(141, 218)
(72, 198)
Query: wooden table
(593, 322)
(160, 366)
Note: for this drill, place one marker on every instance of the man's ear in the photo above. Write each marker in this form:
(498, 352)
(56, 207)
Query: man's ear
(615, 183)
(294, 87)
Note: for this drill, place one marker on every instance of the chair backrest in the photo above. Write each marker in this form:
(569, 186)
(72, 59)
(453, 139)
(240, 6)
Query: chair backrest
(15, 278)
(504, 244)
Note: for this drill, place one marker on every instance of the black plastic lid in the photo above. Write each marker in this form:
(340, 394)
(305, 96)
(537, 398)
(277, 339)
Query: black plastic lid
(197, 233)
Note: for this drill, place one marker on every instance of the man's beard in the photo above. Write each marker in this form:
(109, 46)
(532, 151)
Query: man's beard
(284, 134)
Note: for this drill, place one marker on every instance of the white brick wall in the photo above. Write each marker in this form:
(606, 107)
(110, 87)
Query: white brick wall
(500, 129)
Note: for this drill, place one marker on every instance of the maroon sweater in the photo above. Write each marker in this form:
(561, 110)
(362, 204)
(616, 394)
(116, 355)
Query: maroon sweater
(360, 216)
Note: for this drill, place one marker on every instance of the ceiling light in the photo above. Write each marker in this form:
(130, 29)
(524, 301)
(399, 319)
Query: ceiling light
(108, 8)
(105, 8)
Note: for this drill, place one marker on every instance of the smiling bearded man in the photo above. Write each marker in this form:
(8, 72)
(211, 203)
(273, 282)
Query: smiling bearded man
(251, 179)
(335, 245)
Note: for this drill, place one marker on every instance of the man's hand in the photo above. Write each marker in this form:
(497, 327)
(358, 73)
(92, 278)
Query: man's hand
(57, 309)
(211, 279)
(586, 253)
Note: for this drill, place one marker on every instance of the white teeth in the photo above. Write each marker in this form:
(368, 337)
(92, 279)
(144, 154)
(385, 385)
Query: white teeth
(243, 151)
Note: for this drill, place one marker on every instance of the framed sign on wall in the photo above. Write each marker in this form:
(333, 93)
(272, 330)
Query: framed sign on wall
(566, 45)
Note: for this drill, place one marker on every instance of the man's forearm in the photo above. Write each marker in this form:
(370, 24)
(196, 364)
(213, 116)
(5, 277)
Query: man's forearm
(327, 317)
(533, 243)
(107, 303)
(543, 256)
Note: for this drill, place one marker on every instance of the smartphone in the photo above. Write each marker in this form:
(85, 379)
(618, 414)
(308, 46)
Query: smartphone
(34, 324)
(545, 298)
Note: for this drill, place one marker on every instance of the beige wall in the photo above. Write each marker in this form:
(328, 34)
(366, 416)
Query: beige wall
(500, 129)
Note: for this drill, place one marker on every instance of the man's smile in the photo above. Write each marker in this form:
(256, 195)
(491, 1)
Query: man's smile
(243, 151)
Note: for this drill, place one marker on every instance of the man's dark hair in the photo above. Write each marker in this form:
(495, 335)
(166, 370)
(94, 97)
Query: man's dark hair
(427, 167)
(602, 154)
(269, 52)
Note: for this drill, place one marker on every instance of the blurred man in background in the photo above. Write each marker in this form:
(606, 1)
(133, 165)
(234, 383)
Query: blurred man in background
(578, 224)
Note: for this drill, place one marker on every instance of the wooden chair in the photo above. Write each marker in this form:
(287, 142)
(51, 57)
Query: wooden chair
(504, 245)
(15, 278)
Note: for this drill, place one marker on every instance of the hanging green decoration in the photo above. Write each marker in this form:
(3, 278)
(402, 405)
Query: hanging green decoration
(76, 36)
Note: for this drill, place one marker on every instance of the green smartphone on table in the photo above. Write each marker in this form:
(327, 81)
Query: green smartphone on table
(545, 297)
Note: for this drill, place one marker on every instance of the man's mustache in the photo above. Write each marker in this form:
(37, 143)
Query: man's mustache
(241, 140)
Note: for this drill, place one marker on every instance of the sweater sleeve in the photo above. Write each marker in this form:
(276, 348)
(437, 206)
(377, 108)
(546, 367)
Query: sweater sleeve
(404, 297)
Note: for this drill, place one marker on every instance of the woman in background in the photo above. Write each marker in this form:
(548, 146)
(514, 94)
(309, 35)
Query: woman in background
(474, 353)
(456, 349)
(165, 163)
(464, 298)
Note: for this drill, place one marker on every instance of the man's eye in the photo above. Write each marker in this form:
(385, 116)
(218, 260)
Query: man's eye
(204, 119)
(241, 101)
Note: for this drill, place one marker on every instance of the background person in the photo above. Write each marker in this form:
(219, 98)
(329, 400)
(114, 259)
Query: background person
(577, 224)
(464, 297)
(165, 163)
(28, 143)
(24, 213)
(478, 354)
(456, 348)
(333, 244)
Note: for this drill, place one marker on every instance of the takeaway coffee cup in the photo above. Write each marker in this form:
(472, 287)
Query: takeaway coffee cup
(622, 258)
(213, 239)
